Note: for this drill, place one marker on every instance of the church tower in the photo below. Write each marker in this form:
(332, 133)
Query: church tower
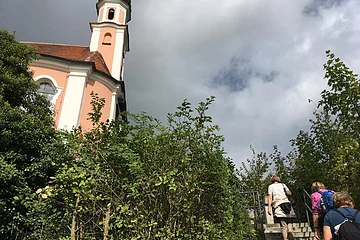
(68, 74)
(110, 34)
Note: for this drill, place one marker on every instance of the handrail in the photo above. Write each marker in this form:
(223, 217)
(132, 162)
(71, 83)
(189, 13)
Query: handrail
(306, 193)
(256, 205)
(308, 208)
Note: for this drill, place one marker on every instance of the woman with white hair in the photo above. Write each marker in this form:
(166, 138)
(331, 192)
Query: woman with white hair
(279, 202)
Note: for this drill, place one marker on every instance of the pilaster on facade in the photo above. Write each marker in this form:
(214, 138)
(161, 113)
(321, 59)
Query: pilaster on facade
(118, 57)
(113, 106)
(73, 100)
(95, 39)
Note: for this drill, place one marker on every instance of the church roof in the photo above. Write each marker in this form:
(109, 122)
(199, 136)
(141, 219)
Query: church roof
(71, 53)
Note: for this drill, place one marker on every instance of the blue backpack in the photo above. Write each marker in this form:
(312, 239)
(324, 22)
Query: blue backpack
(326, 202)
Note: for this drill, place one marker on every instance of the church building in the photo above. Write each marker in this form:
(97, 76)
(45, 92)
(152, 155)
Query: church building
(67, 74)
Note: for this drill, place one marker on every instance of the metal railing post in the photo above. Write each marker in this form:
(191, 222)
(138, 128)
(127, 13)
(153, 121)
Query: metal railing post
(255, 206)
(306, 210)
(307, 207)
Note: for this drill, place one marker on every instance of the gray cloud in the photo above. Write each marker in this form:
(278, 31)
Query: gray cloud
(236, 77)
(261, 59)
(315, 7)
(49, 20)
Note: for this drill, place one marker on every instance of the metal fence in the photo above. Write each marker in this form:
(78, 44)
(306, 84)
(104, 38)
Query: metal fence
(254, 203)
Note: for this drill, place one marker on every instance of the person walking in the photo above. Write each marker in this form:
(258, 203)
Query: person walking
(280, 205)
(319, 207)
(344, 221)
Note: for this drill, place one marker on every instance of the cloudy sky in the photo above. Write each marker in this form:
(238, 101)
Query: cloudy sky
(262, 59)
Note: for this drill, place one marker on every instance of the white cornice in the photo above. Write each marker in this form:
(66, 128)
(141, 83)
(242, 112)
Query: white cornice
(107, 24)
(73, 68)
(80, 70)
(106, 81)
(51, 63)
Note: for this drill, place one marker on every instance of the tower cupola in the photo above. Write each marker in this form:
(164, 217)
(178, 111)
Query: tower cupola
(117, 11)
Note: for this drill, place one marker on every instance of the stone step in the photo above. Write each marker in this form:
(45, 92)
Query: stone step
(301, 231)
(300, 225)
(307, 235)
(296, 228)
(277, 236)
(294, 224)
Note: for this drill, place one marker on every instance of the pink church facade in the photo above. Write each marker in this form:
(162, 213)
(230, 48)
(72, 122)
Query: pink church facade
(67, 74)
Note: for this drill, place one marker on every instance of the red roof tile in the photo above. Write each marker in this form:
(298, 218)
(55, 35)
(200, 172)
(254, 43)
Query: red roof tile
(72, 53)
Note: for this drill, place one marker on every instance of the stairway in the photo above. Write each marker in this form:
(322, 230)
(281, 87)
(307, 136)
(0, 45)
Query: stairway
(301, 231)
(272, 231)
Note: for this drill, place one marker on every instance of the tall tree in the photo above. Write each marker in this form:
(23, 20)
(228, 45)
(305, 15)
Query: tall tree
(26, 137)
(147, 180)
(254, 174)
(330, 151)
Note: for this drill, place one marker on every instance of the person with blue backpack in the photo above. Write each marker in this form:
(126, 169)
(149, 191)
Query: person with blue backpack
(343, 222)
(321, 202)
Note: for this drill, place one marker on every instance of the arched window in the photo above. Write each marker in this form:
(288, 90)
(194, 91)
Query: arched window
(47, 90)
(107, 39)
(111, 14)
